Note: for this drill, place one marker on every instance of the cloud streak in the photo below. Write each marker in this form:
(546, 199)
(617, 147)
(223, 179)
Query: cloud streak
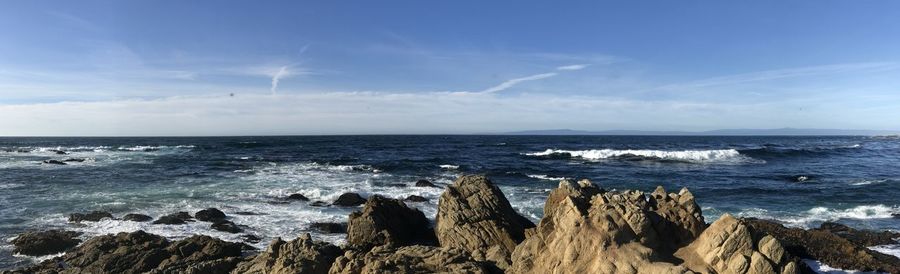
(282, 73)
(777, 74)
(513, 82)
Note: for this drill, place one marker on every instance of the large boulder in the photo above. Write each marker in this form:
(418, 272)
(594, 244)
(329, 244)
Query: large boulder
(39, 243)
(302, 255)
(388, 222)
(139, 252)
(474, 215)
(731, 246)
(210, 215)
(676, 218)
(827, 247)
(408, 259)
(93, 216)
(134, 217)
(585, 230)
(349, 199)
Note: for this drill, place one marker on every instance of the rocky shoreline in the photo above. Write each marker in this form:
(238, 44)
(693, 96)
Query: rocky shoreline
(585, 229)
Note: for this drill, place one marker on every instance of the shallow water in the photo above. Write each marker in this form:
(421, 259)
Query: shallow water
(853, 180)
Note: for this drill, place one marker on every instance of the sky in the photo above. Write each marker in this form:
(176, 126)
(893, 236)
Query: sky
(110, 68)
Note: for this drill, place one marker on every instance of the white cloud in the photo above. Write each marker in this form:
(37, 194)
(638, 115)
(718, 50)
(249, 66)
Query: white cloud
(776, 74)
(573, 67)
(513, 82)
(282, 73)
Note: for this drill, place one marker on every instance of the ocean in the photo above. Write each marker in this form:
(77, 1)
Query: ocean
(800, 181)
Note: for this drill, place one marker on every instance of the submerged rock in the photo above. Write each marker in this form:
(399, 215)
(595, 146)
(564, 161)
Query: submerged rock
(473, 215)
(301, 255)
(137, 217)
(827, 247)
(415, 198)
(39, 243)
(425, 183)
(298, 197)
(226, 226)
(174, 219)
(250, 238)
(349, 199)
(54, 162)
(388, 222)
(332, 228)
(93, 216)
(408, 259)
(210, 215)
(79, 160)
(318, 204)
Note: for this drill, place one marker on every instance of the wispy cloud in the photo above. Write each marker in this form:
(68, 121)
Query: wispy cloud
(776, 74)
(512, 82)
(282, 73)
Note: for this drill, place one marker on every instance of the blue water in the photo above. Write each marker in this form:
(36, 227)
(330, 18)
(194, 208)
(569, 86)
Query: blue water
(854, 180)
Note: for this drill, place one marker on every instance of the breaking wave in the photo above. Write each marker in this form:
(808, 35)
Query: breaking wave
(694, 156)
(820, 214)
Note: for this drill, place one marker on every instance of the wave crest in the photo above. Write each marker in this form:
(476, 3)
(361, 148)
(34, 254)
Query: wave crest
(697, 156)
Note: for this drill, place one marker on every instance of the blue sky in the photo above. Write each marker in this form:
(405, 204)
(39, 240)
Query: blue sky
(335, 67)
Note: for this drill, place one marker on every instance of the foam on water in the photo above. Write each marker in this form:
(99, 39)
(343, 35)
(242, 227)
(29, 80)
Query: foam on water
(449, 167)
(893, 250)
(817, 215)
(545, 177)
(819, 267)
(868, 182)
(698, 156)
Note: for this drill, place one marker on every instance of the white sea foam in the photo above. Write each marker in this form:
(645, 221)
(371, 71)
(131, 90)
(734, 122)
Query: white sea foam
(893, 250)
(817, 215)
(820, 267)
(450, 167)
(545, 177)
(868, 182)
(700, 156)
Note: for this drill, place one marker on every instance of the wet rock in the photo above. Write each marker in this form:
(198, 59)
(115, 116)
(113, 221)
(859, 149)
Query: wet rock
(136, 252)
(730, 246)
(250, 238)
(54, 162)
(397, 185)
(79, 160)
(93, 216)
(39, 243)
(137, 217)
(827, 247)
(210, 215)
(301, 255)
(318, 204)
(59, 152)
(425, 183)
(408, 259)
(201, 254)
(861, 237)
(174, 219)
(333, 228)
(415, 198)
(349, 199)
(297, 197)
(248, 213)
(474, 215)
(226, 226)
(388, 222)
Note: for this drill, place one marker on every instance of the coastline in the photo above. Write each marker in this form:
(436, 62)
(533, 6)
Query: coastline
(477, 231)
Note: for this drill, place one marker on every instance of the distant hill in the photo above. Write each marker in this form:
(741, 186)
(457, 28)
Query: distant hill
(718, 132)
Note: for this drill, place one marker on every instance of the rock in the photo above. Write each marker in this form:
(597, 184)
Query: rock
(388, 222)
(681, 220)
(408, 259)
(861, 237)
(136, 252)
(298, 197)
(93, 216)
(137, 217)
(425, 183)
(397, 185)
(79, 160)
(210, 215)
(586, 230)
(248, 213)
(896, 215)
(318, 204)
(473, 215)
(250, 238)
(48, 242)
(731, 246)
(226, 226)
(302, 255)
(54, 162)
(59, 152)
(415, 198)
(829, 248)
(332, 228)
(349, 199)
(201, 254)
(174, 219)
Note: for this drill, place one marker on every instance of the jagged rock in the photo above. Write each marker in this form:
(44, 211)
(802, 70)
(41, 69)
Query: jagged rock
(474, 215)
(861, 237)
(79, 160)
(408, 259)
(39, 243)
(385, 221)
(302, 255)
(200, 254)
(349, 199)
(585, 230)
(210, 215)
(731, 246)
(827, 247)
(226, 226)
(325, 227)
(54, 162)
(93, 216)
(681, 220)
(415, 199)
(137, 217)
(425, 183)
(174, 219)
(298, 197)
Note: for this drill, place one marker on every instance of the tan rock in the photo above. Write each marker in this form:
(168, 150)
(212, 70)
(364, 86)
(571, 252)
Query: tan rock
(385, 221)
(473, 215)
(407, 259)
(300, 256)
(727, 246)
